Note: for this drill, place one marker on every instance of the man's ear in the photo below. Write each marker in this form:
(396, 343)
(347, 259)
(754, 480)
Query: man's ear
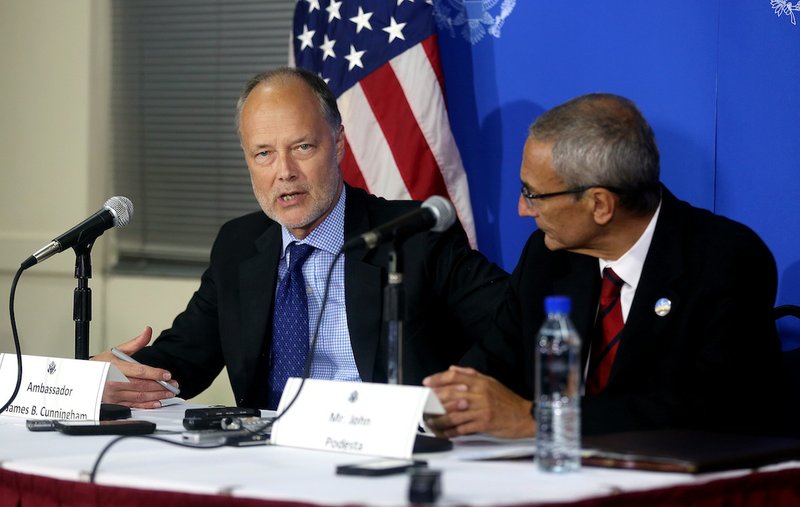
(340, 144)
(604, 205)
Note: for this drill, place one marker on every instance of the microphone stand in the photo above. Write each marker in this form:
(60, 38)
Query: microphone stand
(393, 315)
(82, 315)
(82, 299)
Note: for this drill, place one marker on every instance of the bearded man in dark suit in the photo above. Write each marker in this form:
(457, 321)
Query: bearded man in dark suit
(698, 346)
(292, 137)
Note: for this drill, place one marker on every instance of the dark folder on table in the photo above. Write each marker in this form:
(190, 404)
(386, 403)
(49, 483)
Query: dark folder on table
(686, 451)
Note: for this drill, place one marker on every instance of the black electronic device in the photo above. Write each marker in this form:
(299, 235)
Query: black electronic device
(211, 418)
(112, 411)
(248, 440)
(377, 468)
(430, 443)
(234, 438)
(210, 437)
(115, 427)
(41, 424)
(261, 425)
(424, 485)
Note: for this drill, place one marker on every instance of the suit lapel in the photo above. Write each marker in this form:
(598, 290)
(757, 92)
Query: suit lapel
(661, 278)
(362, 289)
(581, 282)
(257, 281)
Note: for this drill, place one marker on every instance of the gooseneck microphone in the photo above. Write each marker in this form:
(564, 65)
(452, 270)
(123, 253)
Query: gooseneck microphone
(436, 213)
(116, 212)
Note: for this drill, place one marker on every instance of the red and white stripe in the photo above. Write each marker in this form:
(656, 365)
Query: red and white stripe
(399, 142)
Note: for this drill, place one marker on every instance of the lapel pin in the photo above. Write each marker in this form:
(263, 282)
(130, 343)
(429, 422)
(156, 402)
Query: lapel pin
(663, 307)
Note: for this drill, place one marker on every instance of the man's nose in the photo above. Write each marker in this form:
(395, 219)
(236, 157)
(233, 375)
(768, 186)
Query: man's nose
(526, 210)
(287, 167)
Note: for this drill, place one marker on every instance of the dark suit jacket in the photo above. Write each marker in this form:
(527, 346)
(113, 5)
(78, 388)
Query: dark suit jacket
(451, 291)
(713, 362)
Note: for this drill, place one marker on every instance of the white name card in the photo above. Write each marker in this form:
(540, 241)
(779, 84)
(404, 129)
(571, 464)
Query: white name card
(352, 417)
(55, 388)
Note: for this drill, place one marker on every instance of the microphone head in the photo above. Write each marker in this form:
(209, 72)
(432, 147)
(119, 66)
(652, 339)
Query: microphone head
(122, 210)
(443, 210)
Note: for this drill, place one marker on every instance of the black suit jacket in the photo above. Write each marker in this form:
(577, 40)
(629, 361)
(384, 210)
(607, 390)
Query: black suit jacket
(451, 292)
(713, 362)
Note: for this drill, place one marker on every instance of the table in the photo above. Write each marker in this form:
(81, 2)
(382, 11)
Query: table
(51, 469)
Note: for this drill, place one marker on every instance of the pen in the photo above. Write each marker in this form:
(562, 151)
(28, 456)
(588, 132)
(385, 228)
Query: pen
(128, 359)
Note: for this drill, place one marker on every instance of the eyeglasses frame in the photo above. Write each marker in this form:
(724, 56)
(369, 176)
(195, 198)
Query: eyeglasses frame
(532, 198)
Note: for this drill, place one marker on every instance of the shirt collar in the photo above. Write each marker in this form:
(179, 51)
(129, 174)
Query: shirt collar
(328, 235)
(629, 266)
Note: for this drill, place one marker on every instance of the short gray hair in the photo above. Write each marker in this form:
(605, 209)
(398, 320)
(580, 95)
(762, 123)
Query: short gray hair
(327, 100)
(602, 139)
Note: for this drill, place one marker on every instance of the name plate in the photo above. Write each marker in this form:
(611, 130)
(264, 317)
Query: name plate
(353, 417)
(55, 388)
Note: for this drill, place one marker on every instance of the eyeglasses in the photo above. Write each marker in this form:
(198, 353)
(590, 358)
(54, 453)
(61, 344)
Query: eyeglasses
(531, 198)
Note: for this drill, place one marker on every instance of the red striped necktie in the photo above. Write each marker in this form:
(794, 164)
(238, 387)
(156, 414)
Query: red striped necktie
(607, 332)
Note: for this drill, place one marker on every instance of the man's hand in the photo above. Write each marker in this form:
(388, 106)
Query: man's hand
(476, 403)
(141, 391)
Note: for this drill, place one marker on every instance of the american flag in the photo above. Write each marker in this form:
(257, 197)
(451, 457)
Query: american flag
(381, 59)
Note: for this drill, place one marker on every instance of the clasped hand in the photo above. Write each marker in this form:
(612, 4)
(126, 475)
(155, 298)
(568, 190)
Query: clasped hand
(477, 403)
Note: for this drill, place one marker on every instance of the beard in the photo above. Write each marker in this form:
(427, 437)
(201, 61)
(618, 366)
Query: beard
(320, 200)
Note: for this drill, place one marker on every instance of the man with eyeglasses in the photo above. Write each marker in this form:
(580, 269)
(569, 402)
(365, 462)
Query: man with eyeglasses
(693, 341)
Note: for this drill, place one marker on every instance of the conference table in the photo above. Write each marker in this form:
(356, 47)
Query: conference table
(50, 468)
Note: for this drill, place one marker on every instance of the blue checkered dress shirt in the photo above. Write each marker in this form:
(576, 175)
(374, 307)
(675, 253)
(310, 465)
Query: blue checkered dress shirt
(333, 356)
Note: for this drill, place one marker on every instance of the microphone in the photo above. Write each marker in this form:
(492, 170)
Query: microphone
(436, 213)
(116, 212)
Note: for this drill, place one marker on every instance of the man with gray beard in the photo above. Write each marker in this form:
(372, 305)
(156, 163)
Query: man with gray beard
(240, 318)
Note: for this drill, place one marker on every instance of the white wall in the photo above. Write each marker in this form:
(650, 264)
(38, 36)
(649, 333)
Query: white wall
(55, 57)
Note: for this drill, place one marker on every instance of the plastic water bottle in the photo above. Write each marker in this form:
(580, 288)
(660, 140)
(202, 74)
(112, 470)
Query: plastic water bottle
(557, 398)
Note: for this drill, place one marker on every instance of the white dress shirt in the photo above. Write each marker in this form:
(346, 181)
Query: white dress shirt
(629, 266)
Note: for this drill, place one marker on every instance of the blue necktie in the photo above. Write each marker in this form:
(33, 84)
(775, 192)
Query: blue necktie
(289, 324)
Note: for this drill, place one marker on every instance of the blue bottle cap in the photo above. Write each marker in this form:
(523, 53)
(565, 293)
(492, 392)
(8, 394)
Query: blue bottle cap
(557, 304)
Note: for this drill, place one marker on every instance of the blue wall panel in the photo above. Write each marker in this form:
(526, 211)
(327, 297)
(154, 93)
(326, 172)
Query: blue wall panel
(758, 181)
